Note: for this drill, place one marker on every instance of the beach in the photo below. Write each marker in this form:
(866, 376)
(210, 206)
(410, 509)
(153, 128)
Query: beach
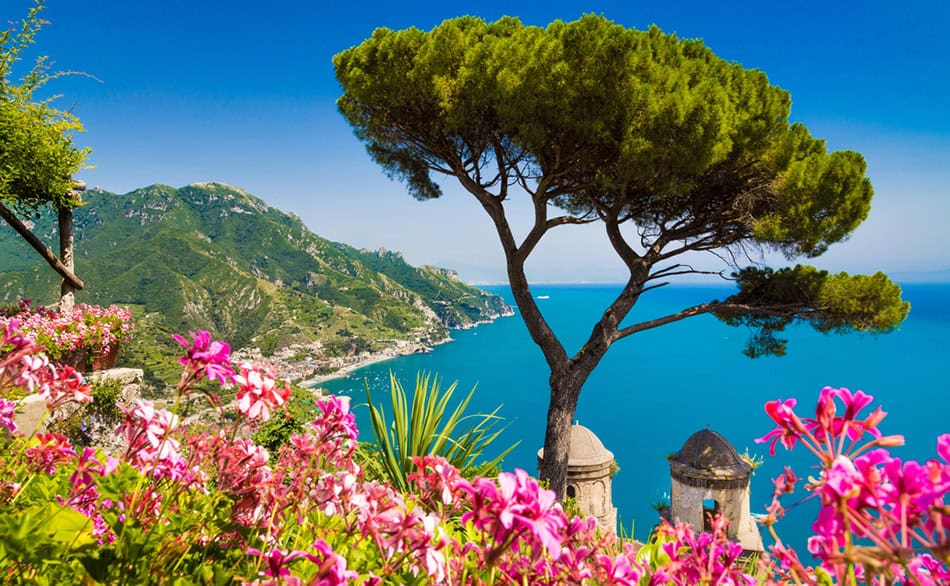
(349, 364)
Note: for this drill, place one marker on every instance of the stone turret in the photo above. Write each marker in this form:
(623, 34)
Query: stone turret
(709, 476)
(589, 474)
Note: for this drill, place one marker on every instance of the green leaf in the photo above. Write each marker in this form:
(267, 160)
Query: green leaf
(425, 426)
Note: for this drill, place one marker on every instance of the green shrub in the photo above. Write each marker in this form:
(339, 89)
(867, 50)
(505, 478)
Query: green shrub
(102, 413)
(278, 429)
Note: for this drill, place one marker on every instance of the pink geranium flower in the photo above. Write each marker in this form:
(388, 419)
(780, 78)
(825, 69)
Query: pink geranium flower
(789, 426)
(278, 559)
(206, 357)
(333, 570)
(435, 480)
(842, 480)
(63, 385)
(258, 393)
(48, 450)
(943, 447)
(618, 570)
(8, 415)
(874, 506)
(337, 423)
(88, 327)
(515, 508)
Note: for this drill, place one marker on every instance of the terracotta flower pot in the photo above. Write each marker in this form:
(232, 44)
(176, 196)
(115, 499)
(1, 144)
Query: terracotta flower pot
(85, 360)
(105, 359)
(77, 358)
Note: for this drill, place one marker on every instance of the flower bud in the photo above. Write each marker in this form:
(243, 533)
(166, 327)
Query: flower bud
(890, 441)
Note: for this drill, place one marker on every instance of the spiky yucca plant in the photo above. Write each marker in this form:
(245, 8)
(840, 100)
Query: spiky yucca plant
(426, 427)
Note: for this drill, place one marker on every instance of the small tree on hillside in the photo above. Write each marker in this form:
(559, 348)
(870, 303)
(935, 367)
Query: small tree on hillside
(670, 148)
(37, 157)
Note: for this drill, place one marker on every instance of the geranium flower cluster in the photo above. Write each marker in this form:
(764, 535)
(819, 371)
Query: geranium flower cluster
(258, 393)
(210, 505)
(879, 517)
(148, 433)
(700, 558)
(90, 327)
(24, 369)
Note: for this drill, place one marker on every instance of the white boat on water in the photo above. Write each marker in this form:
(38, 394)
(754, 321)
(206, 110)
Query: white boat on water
(544, 297)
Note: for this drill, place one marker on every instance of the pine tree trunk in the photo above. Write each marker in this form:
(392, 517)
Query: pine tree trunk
(67, 294)
(565, 391)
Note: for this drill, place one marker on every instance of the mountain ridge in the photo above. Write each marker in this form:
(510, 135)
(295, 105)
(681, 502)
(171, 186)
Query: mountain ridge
(213, 256)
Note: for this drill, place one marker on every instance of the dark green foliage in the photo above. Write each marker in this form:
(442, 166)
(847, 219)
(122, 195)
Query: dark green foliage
(614, 124)
(104, 397)
(81, 424)
(371, 461)
(348, 345)
(210, 256)
(299, 413)
(769, 300)
(657, 127)
(153, 350)
(455, 303)
(37, 158)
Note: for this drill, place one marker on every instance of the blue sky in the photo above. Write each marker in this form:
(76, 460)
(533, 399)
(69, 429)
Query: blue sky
(244, 93)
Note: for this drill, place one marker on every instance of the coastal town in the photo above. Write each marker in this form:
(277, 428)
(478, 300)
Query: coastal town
(296, 362)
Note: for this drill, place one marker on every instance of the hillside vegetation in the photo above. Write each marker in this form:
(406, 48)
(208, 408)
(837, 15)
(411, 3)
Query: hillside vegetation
(211, 256)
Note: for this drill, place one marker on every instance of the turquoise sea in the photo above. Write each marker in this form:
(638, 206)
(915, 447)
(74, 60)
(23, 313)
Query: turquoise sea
(656, 388)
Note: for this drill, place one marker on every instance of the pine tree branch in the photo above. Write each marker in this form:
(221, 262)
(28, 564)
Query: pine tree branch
(45, 251)
(784, 310)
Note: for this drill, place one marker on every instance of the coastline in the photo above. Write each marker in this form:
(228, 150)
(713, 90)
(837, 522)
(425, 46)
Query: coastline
(400, 348)
(369, 358)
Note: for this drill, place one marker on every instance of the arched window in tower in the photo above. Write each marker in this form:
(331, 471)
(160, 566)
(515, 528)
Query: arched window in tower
(711, 508)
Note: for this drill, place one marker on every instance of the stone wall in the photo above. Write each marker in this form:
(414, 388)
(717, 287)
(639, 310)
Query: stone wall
(31, 411)
(29, 415)
(687, 506)
(593, 496)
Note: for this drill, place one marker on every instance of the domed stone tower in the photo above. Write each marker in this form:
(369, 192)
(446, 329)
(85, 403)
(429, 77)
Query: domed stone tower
(709, 476)
(589, 471)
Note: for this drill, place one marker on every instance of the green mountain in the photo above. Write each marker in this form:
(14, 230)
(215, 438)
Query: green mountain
(211, 256)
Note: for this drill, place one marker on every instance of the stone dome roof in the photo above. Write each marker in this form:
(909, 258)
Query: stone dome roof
(585, 449)
(710, 458)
